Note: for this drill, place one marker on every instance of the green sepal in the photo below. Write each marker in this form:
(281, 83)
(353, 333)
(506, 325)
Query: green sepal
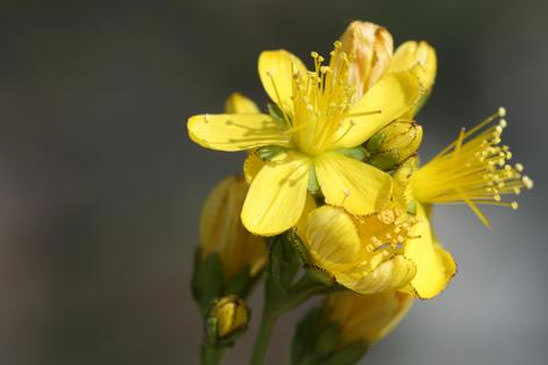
(284, 263)
(239, 284)
(412, 207)
(304, 338)
(211, 330)
(375, 142)
(293, 238)
(327, 340)
(385, 161)
(320, 275)
(313, 184)
(277, 114)
(207, 280)
(348, 355)
(267, 153)
(359, 153)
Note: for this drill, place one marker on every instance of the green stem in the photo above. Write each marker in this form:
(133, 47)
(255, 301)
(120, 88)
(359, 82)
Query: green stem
(300, 292)
(211, 355)
(268, 321)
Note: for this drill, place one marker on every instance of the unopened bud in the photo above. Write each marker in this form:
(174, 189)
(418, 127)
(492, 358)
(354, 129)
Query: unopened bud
(366, 318)
(394, 144)
(421, 57)
(231, 314)
(369, 48)
(222, 232)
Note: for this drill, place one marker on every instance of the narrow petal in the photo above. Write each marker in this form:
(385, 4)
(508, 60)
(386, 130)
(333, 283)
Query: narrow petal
(276, 69)
(391, 97)
(277, 196)
(237, 103)
(360, 188)
(435, 266)
(236, 132)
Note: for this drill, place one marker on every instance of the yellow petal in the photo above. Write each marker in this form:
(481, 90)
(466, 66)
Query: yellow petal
(360, 188)
(435, 266)
(236, 132)
(412, 53)
(366, 318)
(332, 237)
(391, 97)
(237, 103)
(252, 165)
(276, 69)
(277, 196)
(390, 275)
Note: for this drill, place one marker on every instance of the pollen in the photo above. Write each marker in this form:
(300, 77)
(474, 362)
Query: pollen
(474, 170)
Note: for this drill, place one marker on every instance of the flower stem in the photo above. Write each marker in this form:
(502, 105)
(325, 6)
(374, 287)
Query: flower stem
(300, 292)
(211, 355)
(268, 322)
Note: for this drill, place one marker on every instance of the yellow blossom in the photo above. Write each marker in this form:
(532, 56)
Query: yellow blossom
(474, 170)
(360, 253)
(320, 121)
(367, 318)
(222, 232)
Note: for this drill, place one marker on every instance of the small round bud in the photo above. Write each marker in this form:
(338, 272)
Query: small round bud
(231, 313)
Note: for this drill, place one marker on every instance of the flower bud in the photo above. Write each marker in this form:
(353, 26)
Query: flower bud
(394, 144)
(369, 48)
(422, 57)
(231, 314)
(222, 232)
(366, 318)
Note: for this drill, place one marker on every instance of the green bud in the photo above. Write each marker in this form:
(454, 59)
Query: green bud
(394, 144)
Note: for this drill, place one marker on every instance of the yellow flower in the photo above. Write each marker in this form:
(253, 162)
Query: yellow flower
(363, 254)
(222, 232)
(391, 250)
(307, 146)
(231, 313)
(474, 169)
(366, 318)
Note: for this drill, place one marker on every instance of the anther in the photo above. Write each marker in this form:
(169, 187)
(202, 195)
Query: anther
(501, 112)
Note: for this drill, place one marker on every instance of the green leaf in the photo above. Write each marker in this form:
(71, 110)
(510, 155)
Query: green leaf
(320, 275)
(359, 153)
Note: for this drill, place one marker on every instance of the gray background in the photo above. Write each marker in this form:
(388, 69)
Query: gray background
(100, 188)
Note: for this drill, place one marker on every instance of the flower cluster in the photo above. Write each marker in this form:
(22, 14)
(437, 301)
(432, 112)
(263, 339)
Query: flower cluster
(333, 161)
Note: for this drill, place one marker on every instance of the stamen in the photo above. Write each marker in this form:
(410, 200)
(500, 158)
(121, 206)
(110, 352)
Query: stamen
(473, 169)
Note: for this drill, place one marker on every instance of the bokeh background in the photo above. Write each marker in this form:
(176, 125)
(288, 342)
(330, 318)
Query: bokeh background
(100, 188)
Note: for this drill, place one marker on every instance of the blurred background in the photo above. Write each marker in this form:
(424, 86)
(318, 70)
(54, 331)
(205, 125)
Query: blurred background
(100, 188)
